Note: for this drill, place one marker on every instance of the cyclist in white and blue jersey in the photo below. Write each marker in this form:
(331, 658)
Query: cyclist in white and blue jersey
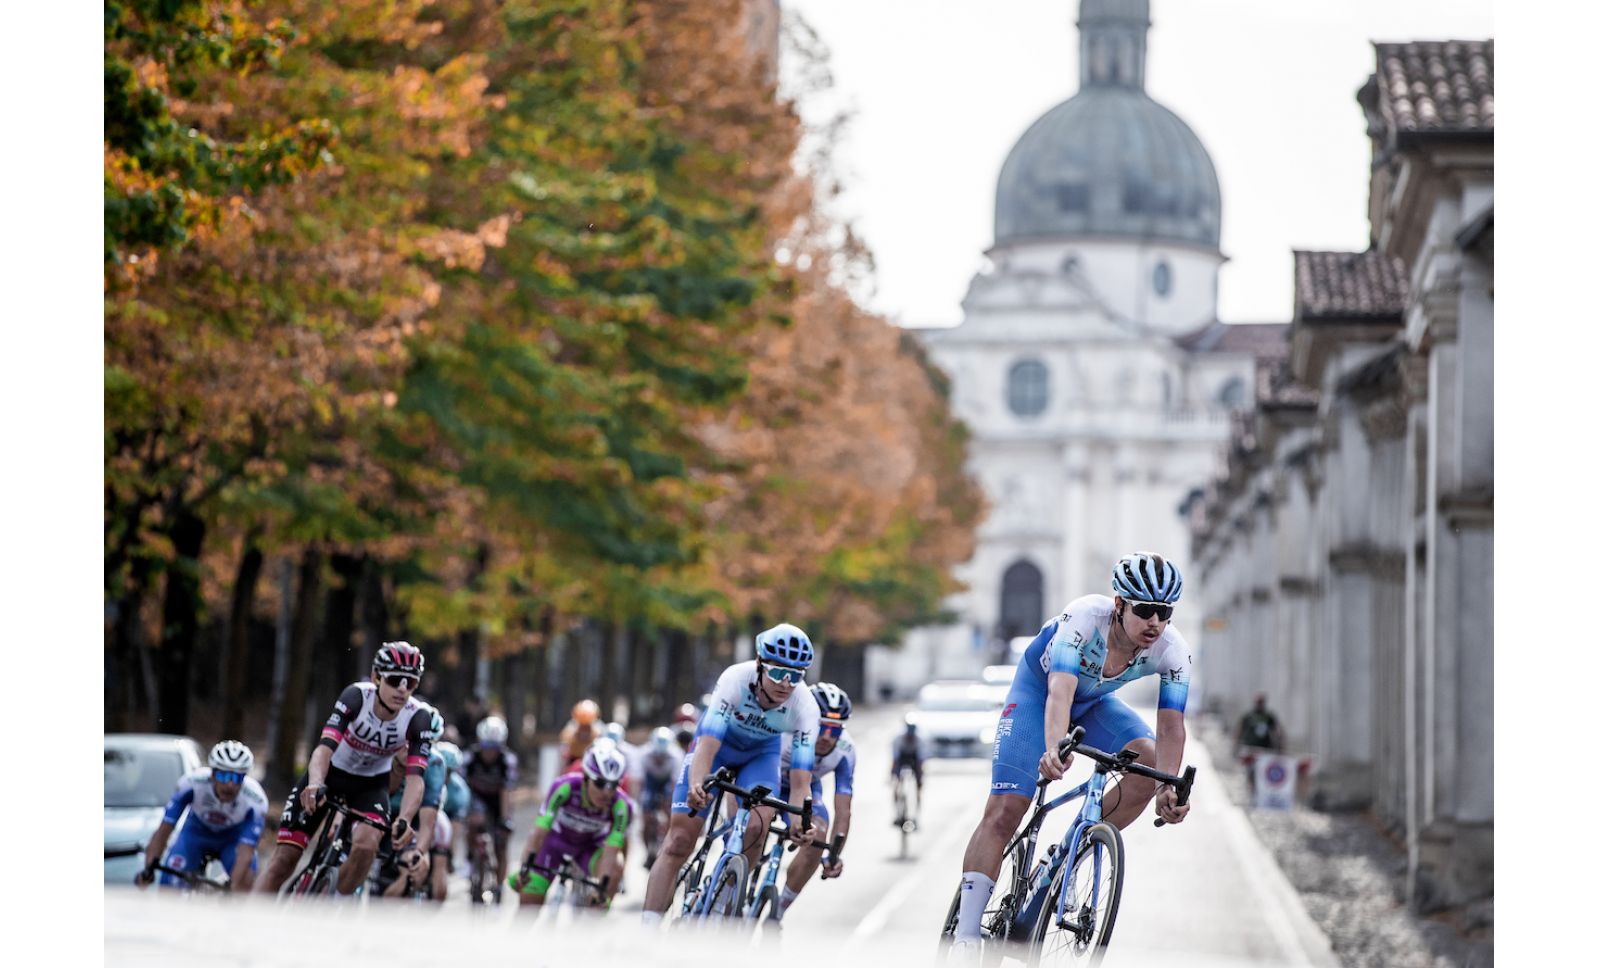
(836, 755)
(753, 706)
(1066, 678)
(223, 810)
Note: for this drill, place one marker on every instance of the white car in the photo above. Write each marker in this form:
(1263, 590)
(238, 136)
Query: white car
(1000, 675)
(142, 771)
(957, 717)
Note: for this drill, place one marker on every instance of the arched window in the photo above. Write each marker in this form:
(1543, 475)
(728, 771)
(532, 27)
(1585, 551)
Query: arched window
(1161, 278)
(1021, 600)
(1232, 393)
(1028, 388)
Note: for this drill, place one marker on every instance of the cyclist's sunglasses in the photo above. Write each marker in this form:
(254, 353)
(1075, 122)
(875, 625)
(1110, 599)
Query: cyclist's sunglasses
(1150, 609)
(400, 682)
(829, 729)
(603, 784)
(785, 674)
(227, 776)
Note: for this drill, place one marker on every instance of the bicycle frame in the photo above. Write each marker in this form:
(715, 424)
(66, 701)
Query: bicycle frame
(1035, 888)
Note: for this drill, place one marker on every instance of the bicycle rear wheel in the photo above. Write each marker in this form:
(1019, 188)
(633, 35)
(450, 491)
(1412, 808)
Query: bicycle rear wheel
(1092, 885)
(727, 888)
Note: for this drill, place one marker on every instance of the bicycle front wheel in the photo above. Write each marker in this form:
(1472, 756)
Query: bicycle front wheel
(1075, 926)
(726, 892)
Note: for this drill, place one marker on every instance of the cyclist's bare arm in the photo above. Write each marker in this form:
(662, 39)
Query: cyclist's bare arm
(158, 845)
(241, 877)
(1170, 737)
(1057, 722)
(705, 753)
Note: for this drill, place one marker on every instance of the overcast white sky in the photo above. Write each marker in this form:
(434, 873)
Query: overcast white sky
(941, 90)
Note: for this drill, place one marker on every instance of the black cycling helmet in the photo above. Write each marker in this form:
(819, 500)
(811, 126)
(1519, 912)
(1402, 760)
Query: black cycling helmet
(833, 702)
(398, 657)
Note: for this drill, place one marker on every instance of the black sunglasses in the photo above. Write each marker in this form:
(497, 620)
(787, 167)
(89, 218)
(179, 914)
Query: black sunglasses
(1150, 609)
(400, 682)
(603, 784)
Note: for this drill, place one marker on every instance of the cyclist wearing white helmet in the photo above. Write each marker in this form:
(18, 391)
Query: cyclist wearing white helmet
(752, 706)
(224, 810)
(586, 816)
(1066, 678)
(491, 772)
(658, 767)
(372, 722)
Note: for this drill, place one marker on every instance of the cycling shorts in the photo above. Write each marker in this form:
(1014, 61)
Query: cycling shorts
(912, 763)
(487, 807)
(366, 795)
(656, 793)
(194, 844)
(750, 767)
(1108, 724)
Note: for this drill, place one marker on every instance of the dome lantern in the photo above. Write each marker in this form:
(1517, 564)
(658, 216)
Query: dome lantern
(1111, 42)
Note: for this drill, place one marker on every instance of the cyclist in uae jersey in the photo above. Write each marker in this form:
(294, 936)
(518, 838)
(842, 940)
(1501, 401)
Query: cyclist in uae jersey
(836, 755)
(1066, 678)
(223, 810)
(585, 817)
(371, 723)
(752, 706)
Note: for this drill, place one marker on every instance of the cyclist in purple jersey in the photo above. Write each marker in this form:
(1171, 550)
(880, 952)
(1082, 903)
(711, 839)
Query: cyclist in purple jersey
(1066, 678)
(586, 816)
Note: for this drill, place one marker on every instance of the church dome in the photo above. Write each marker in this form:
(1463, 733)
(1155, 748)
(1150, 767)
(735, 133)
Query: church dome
(1109, 161)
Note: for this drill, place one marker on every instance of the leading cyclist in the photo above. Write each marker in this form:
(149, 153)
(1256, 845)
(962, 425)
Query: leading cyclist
(371, 723)
(1065, 679)
(753, 704)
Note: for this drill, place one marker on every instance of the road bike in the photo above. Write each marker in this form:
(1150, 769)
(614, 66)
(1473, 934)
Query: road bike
(761, 901)
(724, 894)
(483, 857)
(197, 880)
(1055, 912)
(906, 806)
(329, 849)
(570, 885)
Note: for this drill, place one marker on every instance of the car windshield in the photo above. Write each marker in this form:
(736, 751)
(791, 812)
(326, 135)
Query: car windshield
(141, 778)
(958, 703)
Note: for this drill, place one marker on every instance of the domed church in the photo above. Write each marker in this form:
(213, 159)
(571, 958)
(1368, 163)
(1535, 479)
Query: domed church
(1089, 363)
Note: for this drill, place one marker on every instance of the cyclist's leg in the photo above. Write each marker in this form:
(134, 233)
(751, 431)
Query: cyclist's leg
(502, 840)
(682, 832)
(1110, 725)
(367, 797)
(294, 829)
(1013, 773)
(806, 859)
(439, 868)
(545, 863)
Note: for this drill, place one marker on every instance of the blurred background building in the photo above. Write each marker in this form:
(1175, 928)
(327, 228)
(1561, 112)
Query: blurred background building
(1090, 365)
(1345, 554)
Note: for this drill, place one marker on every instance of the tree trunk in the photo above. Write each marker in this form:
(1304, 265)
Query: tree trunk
(180, 622)
(238, 652)
(513, 696)
(610, 633)
(374, 613)
(538, 690)
(297, 679)
(336, 663)
(135, 689)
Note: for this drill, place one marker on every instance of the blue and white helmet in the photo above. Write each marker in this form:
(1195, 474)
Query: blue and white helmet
(230, 755)
(832, 702)
(1146, 577)
(785, 645)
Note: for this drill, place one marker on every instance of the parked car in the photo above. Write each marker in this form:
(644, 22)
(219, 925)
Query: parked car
(999, 675)
(957, 717)
(142, 770)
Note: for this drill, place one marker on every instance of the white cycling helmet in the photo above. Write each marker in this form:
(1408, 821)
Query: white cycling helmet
(231, 755)
(605, 763)
(616, 732)
(492, 731)
(661, 738)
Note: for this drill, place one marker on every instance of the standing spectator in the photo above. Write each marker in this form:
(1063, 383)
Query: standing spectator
(1258, 729)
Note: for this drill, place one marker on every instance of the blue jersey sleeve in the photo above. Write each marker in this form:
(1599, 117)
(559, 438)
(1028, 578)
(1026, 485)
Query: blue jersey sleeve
(844, 775)
(1066, 646)
(433, 781)
(181, 798)
(253, 828)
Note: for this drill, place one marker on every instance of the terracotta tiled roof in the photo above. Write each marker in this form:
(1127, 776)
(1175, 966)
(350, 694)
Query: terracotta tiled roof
(1260, 340)
(1348, 285)
(1437, 86)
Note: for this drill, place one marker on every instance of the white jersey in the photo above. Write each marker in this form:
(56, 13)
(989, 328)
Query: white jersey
(737, 719)
(661, 766)
(840, 761)
(1076, 644)
(196, 793)
(365, 745)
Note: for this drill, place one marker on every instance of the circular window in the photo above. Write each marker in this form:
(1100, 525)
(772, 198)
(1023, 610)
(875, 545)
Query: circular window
(1028, 388)
(1161, 279)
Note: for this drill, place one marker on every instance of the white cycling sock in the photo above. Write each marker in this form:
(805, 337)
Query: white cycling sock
(650, 918)
(785, 899)
(976, 889)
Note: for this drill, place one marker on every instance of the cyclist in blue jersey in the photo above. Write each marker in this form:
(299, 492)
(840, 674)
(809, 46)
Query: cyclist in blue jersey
(752, 706)
(410, 868)
(452, 814)
(836, 754)
(223, 809)
(1066, 678)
